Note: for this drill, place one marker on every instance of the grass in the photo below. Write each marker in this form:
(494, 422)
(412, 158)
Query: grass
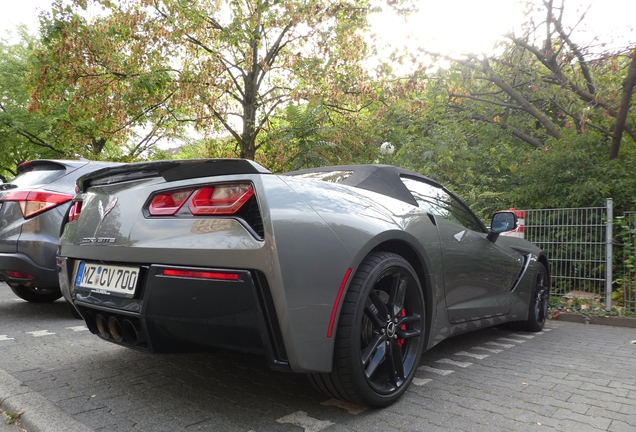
(13, 418)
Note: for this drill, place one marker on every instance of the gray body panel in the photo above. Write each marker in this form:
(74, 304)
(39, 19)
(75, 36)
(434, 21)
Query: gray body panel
(313, 233)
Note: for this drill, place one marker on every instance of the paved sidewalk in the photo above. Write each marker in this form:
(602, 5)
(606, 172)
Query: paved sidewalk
(40, 414)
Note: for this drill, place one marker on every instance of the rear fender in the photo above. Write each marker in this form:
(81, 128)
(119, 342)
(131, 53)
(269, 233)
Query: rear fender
(427, 266)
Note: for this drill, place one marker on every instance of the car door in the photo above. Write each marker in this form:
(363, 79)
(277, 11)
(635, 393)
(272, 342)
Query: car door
(478, 273)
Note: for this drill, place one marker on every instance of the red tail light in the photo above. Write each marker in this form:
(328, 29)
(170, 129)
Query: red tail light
(75, 211)
(197, 274)
(19, 274)
(35, 202)
(169, 203)
(221, 200)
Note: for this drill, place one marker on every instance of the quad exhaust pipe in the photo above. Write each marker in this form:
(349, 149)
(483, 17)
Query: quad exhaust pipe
(120, 329)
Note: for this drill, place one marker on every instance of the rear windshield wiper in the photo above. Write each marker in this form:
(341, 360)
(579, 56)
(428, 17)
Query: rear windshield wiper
(5, 186)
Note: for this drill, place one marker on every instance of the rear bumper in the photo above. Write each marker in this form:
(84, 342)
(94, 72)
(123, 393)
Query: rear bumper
(42, 277)
(177, 314)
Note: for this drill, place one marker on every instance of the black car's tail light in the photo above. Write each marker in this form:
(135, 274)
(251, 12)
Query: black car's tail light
(34, 202)
(75, 211)
(16, 274)
(198, 274)
(221, 200)
(168, 203)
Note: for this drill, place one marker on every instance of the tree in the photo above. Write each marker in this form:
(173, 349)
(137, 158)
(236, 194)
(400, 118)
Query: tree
(219, 65)
(23, 135)
(545, 83)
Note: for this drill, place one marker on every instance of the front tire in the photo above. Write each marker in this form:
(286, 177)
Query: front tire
(380, 334)
(36, 295)
(538, 307)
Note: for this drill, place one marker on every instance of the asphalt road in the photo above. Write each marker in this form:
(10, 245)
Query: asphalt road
(568, 377)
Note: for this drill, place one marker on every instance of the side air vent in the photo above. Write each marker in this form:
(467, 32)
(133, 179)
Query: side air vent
(253, 217)
(272, 318)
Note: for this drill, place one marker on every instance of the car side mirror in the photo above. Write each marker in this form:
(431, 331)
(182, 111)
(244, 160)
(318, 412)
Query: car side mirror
(502, 221)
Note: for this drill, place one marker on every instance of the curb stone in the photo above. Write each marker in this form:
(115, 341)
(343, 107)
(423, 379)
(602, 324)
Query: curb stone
(40, 414)
(598, 320)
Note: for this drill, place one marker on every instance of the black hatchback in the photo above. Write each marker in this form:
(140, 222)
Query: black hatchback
(33, 207)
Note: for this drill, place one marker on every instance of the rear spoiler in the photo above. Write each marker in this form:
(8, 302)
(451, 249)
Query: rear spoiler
(170, 170)
(62, 164)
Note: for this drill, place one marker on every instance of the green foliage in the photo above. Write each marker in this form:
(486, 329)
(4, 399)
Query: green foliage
(219, 66)
(11, 418)
(473, 159)
(113, 96)
(530, 127)
(624, 284)
(114, 86)
(23, 135)
(575, 172)
(302, 132)
(206, 148)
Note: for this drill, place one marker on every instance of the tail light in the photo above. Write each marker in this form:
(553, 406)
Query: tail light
(35, 202)
(226, 199)
(75, 211)
(197, 274)
(169, 203)
(18, 274)
(221, 200)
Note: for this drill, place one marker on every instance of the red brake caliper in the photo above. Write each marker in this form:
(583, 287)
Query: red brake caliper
(400, 341)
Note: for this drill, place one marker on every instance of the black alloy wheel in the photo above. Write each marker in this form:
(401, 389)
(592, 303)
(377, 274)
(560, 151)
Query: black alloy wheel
(380, 334)
(36, 295)
(539, 298)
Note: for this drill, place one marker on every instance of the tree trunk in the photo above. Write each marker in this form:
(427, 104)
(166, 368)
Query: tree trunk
(525, 105)
(248, 147)
(250, 105)
(626, 99)
(248, 137)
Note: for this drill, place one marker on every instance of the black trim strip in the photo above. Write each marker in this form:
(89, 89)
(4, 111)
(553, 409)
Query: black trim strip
(526, 263)
(272, 318)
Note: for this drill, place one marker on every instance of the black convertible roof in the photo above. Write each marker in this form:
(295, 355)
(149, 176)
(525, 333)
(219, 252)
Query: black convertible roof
(383, 179)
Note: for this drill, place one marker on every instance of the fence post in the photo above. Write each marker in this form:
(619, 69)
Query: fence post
(608, 254)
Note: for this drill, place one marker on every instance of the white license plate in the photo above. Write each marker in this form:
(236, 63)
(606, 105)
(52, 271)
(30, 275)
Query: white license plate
(107, 279)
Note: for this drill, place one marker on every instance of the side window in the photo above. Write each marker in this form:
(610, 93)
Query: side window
(440, 203)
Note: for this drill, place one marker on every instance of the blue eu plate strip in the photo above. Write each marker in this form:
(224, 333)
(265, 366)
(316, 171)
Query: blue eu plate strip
(80, 273)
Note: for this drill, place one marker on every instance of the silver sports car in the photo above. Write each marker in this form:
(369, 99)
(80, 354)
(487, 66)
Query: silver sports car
(344, 273)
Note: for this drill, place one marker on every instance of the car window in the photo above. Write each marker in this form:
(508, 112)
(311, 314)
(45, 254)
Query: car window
(437, 201)
(39, 174)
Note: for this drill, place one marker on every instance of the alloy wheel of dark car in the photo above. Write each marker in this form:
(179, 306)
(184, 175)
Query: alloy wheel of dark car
(36, 295)
(540, 296)
(380, 335)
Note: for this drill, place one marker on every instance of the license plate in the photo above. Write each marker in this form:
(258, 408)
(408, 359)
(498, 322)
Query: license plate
(107, 279)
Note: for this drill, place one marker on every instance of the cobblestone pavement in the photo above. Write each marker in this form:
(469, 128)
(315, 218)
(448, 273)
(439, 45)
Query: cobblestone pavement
(568, 377)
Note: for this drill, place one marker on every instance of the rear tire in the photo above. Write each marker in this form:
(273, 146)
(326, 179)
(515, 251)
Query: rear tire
(36, 295)
(380, 334)
(538, 307)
